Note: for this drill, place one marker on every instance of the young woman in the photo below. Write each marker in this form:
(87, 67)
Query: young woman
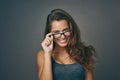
(64, 56)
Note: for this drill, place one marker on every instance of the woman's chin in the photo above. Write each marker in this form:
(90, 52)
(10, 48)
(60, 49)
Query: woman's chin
(62, 44)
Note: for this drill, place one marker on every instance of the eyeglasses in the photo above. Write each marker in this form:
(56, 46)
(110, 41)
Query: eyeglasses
(59, 34)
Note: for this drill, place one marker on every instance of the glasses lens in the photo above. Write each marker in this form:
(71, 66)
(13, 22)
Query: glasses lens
(65, 33)
(57, 35)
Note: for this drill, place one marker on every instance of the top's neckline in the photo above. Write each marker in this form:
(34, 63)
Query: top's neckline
(63, 64)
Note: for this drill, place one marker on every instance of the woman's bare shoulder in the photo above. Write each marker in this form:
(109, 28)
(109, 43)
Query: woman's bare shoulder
(40, 55)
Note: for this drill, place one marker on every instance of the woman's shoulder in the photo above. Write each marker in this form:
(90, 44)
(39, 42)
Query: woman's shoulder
(40, 53)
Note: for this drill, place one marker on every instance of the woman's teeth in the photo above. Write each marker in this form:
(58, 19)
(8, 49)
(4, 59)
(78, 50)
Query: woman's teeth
(62, 41)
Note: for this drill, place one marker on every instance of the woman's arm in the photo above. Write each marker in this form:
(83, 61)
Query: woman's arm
(44, 66)
(89, 74)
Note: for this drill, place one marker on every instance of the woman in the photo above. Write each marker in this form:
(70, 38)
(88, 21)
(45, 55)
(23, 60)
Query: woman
(64, 56)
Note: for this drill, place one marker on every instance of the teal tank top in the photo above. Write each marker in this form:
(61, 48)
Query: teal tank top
(73, 71)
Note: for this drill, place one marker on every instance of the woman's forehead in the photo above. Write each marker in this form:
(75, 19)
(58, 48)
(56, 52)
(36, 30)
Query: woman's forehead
(59, 25)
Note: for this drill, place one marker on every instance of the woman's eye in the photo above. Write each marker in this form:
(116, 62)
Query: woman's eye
(66, 30)
(56, 32)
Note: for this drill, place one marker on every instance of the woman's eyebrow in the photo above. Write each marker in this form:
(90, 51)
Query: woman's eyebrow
(66, 29)
(59, 30)
(56, 31)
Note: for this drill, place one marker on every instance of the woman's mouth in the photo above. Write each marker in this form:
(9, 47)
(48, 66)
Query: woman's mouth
(63, 41)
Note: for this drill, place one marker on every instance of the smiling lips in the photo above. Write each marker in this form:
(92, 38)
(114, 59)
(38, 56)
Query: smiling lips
(63, 41)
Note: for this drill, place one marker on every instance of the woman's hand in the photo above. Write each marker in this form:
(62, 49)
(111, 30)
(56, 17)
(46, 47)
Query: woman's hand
(47, 43)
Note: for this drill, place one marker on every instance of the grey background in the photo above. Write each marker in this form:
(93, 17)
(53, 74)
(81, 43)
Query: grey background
(22, 26)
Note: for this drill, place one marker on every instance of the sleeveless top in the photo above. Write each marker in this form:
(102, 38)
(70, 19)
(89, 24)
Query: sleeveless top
(73, 71)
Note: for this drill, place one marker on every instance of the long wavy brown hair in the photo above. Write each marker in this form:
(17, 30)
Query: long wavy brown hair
(83, 54)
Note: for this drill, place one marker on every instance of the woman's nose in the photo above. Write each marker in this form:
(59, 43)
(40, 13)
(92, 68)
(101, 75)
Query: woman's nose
(62, 35)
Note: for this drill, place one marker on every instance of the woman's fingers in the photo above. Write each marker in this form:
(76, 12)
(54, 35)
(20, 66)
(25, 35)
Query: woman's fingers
(47, 43)
(49, 34)
(48, 39)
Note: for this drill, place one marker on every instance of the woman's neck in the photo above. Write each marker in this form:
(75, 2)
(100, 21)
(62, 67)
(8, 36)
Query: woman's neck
(60, 51)
(61, 56)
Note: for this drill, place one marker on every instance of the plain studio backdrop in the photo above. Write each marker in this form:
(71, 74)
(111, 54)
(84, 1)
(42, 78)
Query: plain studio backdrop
(22, 24)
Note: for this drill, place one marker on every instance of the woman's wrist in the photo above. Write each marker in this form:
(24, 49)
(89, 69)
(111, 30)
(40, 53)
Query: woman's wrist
(47, 54)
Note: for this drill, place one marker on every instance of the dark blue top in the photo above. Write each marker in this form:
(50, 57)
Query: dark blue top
(73, 71)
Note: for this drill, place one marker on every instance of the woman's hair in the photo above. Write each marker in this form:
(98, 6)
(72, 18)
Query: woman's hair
(85, 55)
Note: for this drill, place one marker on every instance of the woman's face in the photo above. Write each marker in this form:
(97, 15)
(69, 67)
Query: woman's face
(61, 32)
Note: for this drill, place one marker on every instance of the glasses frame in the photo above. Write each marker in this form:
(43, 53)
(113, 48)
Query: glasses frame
(61, 33)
